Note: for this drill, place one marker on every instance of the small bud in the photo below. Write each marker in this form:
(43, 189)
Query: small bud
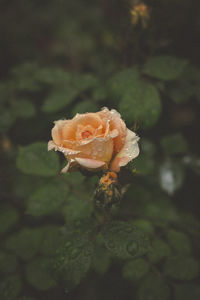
(108, 191)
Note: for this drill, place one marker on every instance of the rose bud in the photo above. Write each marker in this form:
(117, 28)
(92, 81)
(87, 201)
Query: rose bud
(95, 141)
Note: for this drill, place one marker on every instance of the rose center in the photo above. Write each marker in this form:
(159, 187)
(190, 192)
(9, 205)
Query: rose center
(86, 134)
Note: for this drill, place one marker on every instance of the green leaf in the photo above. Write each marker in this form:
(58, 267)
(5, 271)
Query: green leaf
(101, 260)
(38, 273)
(99, 94)
(123, 81)
(124, 240)
(82, 82)
(47, 199)
(141, 102)
(174, 144)
(8, 262)
(25, 76)
(24, 185)
(59, 98)
(25, 243)
(187, 86)
(77, 208)
(83, 107)
(144, 225)
(179, 241)
(75, 179)
(181, 267)
(51, 240)
(8, 218)
(171, 176)
(74, 257)
(23, 109)
(10, 287)
(158, 251)
(153, 288)
(53, 76)
(187, 291)
(6, 120)
(36, 160)
(135, 269)
(165, 67)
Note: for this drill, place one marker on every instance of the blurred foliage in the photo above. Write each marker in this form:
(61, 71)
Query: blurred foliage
(59, 58)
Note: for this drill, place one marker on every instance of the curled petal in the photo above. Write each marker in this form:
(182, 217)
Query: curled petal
(57, 131)
(91, 164)
(129, 151)
(65, 151)
(72, 165)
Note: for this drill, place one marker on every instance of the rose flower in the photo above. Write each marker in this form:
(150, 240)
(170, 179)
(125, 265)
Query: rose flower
(95, 141)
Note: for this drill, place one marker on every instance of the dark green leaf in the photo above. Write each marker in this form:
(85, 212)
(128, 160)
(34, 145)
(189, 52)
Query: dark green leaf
(6, 120)
(36, 160)
(38, 273)
(165, 67)
(77, 208)
(144, 225)
(124, 240)
(83, 107)
(74, 257)
(23, 109)
(181, 267)
(82, 82)
(159, 250)
(135, 269)
(8, 218)
(25, 76)
(47, 199)
(99, 94)
(25, 243)
(123, 81)
(8, 262)
(59, 98)
(101, 260)
(179, 241)
(51, 240)
(141, 102)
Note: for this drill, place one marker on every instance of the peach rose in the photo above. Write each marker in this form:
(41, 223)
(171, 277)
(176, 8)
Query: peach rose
(95, 141)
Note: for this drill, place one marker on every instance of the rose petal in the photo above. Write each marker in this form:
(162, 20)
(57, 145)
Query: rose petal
(57, 131)
(70, 167)
(70, 128)
(65, 151)
(91, 164)
(97, 149)
(129, 151)
(115, 123)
